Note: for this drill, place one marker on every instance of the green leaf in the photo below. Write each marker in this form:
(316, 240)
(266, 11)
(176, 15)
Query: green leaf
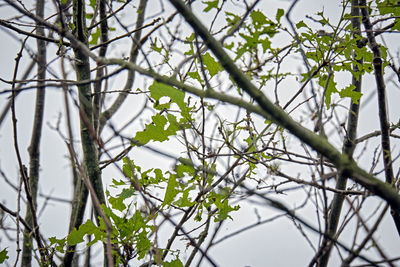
(129, 167)
(92, 3)
(258, 18)
(143, 244)
(396, 26)
(220, 200)
(383, 53)
(252, 41)
(171, 191)
(240, 52)
(138, 221)
(190, 40)
(224, 210)
(391, 7)
(330, 88)
(210, 5)
(155, 47)
(174, 263)
(159, 175)
(95, 36)
(117, 203)
(153, 131)
(59, 243)
(301, 24)
(158, 90)
(3, 255)
(187, 166)
(88, 228)
(250, 143)
(279, 14)
(211, 64)
(232, 19)
(185, 200)
(229, 45)
(348, 92)
(127, 193)
(195, 75)
(211, 171)
(75, 237)
(120, 182)
(266, 44)
(157, 130)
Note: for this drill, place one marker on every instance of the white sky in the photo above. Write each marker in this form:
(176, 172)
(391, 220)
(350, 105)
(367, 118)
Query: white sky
(274, 244)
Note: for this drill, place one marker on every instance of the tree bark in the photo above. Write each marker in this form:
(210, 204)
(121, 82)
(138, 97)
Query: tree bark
(382, 105)
(34, 147)
(87, 131)
(322, 256)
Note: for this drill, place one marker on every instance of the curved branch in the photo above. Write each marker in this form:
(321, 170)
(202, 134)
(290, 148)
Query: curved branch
(277, 115)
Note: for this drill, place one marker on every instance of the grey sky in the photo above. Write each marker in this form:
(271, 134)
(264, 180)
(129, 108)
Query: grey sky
(278, 243)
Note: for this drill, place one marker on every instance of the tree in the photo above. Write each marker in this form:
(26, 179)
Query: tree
(206, 73)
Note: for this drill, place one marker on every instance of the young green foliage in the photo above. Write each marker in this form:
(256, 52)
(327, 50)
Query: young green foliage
(3, 255)
(210, 5)
(164, 126)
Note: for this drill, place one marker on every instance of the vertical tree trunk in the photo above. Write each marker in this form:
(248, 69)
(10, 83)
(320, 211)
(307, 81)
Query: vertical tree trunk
(382, 105)
(88, 133)
(322, 257)
(34, 148)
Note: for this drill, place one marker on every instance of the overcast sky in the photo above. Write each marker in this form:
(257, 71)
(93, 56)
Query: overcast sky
(267, 243)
